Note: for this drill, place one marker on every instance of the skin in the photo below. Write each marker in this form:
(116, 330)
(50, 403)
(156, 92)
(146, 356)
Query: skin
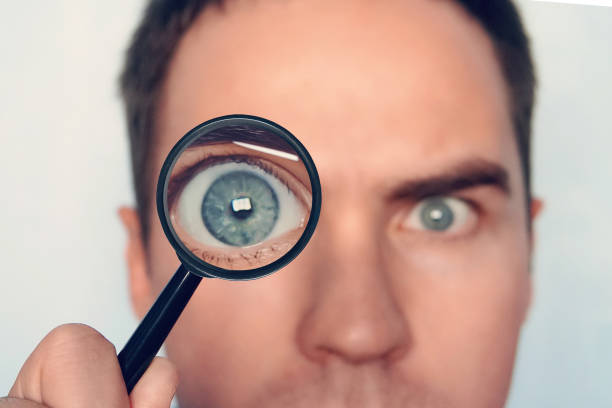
(377, 311)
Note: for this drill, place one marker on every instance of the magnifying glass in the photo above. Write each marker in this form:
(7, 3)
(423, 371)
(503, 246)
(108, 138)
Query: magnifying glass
(238, 198)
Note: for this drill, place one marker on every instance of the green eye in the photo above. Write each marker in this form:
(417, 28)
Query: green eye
(440, 215)
(436, 215)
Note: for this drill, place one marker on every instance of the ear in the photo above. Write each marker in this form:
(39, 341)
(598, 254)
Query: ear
(135, 256)
(536, 208)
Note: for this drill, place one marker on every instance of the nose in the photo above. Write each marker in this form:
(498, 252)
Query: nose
(353, 313)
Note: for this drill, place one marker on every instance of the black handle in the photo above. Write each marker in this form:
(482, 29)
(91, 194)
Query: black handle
(148, 338)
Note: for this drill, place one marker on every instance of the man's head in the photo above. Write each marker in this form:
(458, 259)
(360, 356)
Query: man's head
(408, 108)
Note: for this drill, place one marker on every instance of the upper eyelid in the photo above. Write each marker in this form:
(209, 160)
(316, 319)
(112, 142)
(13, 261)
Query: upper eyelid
(416, 201)
(178, 181)
(457, 195)
(460, 195)
(186, 173)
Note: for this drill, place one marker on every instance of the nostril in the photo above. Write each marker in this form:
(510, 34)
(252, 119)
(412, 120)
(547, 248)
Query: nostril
(354, 334)
(364, 350)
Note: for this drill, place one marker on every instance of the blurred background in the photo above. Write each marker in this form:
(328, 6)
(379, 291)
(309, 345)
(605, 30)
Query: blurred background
(64, 159)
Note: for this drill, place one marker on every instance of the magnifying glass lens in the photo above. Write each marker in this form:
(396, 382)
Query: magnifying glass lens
(238, 197)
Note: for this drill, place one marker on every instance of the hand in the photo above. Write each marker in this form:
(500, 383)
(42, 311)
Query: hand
(74, 366)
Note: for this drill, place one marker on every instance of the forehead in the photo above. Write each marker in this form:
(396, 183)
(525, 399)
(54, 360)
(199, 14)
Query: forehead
(413, 82)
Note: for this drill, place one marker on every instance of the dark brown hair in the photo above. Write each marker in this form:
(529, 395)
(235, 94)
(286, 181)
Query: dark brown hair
(165, 21)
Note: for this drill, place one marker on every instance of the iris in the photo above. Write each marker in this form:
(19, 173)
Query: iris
(240, 208)
(437, 215)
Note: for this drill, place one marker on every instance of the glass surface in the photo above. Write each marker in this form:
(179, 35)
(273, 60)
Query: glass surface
(238, 197)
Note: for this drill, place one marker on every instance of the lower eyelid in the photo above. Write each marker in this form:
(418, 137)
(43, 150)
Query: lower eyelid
(253, 257)
(206, 257)
(227, 262)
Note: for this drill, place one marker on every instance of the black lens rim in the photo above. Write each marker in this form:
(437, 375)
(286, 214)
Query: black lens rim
(193, 263)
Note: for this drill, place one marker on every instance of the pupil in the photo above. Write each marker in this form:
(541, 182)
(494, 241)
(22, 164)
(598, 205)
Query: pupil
(437, 215)
(241, 207)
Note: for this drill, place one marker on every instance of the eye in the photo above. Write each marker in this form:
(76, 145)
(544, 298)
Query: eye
(238, 204)
(441, 215)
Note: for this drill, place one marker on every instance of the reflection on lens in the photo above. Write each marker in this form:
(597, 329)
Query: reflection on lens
(239, 197)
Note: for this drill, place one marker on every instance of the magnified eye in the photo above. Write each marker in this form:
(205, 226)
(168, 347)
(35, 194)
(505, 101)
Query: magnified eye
(238, 204)
(442, 215)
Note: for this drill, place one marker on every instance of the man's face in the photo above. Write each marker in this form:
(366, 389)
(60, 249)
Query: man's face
(397, 102)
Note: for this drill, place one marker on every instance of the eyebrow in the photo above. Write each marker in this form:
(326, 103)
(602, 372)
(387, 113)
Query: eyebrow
(467, 174)
(243, 134)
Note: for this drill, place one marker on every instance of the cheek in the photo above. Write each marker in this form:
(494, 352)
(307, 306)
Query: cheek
(237, 330)
(162, 261)
(227, 329)
(465, 302)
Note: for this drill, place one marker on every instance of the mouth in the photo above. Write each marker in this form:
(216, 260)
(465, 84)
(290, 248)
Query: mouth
(365, 387)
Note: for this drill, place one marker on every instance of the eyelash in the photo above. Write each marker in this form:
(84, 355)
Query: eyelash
(185, 175)
(456, 195)
(215, 259)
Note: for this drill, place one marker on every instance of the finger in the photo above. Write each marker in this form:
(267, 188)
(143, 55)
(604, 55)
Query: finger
(73, 366)
(157, 386)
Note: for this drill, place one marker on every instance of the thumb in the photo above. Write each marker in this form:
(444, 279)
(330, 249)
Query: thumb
(73, 366)
(157, 386)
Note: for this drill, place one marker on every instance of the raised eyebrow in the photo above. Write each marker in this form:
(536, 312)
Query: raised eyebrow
(463, 175)
(229, 134)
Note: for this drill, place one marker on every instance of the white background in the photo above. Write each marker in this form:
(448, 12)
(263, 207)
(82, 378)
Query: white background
(65, 170)
(584, 2)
